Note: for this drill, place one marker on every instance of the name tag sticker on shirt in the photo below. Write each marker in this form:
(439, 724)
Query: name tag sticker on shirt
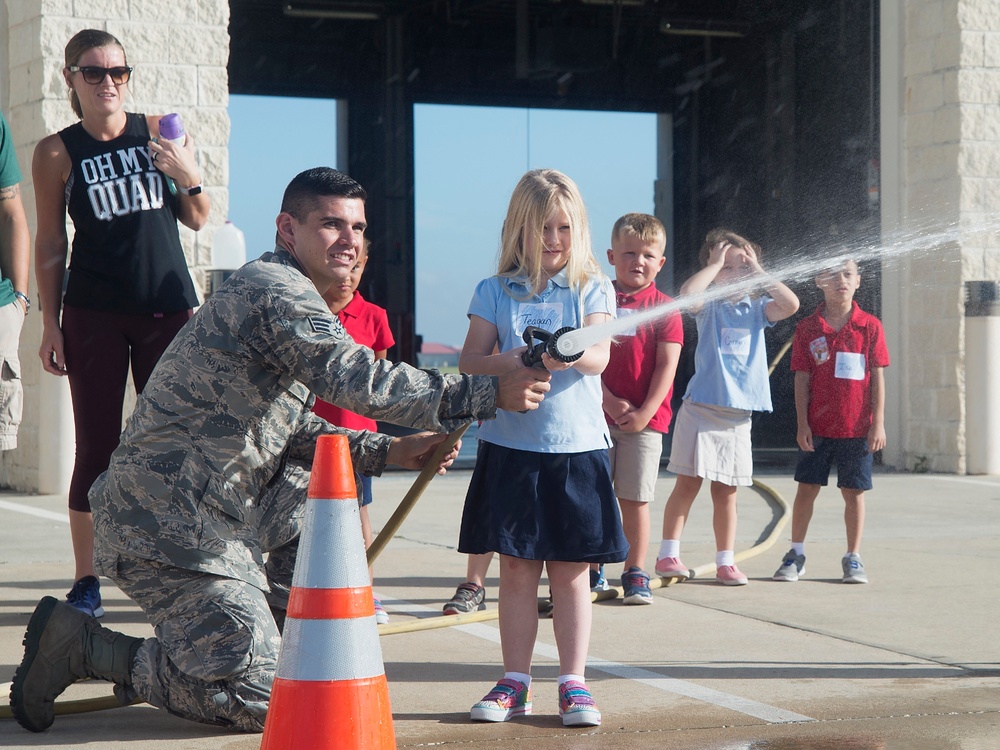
(850, 366)
(820, 350)
(544, 315)
(735, 341)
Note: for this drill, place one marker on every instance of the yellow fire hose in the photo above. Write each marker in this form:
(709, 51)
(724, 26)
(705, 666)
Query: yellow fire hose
(766, 539)
(82, 706)
(413, 494)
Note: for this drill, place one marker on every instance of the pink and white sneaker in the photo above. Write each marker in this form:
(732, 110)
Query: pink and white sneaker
(730, 575)
(672, 567)
(509, 698)
(577, 707)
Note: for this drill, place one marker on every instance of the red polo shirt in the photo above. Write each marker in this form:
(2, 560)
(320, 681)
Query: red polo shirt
(368, 325)
(633, 355)
(839, 364)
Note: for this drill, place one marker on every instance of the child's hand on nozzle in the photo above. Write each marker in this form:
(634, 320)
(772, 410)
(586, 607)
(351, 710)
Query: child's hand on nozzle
(555, 365)
(513, 358)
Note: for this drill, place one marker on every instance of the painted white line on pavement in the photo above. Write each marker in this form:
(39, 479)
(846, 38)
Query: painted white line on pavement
(767, 713)
(647, 677)
(28, 510)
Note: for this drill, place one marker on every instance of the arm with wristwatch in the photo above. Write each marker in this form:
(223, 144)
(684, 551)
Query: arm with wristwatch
(177, 161)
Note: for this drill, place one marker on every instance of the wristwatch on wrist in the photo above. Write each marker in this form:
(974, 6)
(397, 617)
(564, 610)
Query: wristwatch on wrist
(193, 190)
(27, 301)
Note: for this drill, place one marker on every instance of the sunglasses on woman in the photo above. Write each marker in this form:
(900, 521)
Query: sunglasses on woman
(93, 74)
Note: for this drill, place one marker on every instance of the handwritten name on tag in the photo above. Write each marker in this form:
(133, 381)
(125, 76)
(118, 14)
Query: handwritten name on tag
(850, 366)
(735, 341)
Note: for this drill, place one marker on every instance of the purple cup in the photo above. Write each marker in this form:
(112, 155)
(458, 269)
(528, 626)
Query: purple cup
(171, 128)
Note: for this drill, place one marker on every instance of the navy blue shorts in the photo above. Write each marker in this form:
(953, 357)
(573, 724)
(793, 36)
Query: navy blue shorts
(364, 485)
(542, 506)
(851, 455)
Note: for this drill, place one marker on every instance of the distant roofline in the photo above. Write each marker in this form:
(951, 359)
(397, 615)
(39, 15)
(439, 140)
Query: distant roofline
(432, 347)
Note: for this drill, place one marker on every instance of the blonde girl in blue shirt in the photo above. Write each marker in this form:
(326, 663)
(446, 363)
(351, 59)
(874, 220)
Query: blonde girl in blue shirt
(541, 493)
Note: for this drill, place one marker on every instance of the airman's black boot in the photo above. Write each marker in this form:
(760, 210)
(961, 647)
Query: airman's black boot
(63, 645)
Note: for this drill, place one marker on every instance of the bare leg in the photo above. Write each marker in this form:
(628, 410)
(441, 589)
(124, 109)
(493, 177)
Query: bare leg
(571, 614)
(724, 515)
(476, 568)
(518, 609)
(802, 510)
(854, 517)
(81, 530)
(679, 505)
(366, 532)
(635, 521)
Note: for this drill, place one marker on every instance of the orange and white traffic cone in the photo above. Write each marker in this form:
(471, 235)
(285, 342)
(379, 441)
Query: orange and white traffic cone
(330, 689)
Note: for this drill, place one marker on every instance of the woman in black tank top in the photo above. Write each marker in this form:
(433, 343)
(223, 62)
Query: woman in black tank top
(128, 290)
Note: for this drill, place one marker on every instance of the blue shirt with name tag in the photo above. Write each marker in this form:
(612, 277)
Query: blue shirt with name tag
(570, 419)
(730, 360)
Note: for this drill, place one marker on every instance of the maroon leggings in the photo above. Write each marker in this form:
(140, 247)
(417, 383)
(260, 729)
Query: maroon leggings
(99, 347)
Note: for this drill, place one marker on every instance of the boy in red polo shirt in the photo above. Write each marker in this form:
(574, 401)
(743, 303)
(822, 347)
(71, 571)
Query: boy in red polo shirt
(838, 356)
(368, 325)
(637, 385)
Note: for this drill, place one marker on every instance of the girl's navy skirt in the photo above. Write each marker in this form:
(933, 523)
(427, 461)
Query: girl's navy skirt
(542, 506)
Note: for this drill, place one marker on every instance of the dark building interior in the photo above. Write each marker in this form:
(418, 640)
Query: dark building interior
(773, 105)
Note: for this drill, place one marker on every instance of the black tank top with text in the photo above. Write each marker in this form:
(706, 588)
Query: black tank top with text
(127, 255)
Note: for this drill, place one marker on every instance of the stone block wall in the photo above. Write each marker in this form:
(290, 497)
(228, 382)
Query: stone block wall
(948, 174)
(180, 51)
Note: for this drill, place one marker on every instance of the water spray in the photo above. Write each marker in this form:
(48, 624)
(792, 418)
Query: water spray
(569, 344)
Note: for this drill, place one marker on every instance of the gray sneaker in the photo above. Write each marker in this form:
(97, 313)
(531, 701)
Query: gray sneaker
(854, 569)
(792, 566)
(469, 597)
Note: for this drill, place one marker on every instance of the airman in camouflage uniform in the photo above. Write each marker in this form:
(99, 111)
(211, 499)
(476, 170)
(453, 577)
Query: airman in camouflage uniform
(212, 470)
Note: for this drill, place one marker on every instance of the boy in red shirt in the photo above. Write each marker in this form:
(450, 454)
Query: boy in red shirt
(368, 325)
(637, 384)
(838, 356)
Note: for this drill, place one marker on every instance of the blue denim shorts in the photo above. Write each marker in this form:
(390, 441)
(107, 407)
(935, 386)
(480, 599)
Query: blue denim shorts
(364, 489)
(851, 455)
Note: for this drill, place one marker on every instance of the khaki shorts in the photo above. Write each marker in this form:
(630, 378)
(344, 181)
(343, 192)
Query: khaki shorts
(712, 442)
(635, 463)
(11, 395)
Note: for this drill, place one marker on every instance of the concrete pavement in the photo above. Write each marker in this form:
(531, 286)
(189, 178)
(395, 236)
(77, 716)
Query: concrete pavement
(908, 661)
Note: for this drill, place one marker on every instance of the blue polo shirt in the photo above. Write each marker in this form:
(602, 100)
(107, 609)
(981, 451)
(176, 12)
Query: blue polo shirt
(730, 360)
(570, 419)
